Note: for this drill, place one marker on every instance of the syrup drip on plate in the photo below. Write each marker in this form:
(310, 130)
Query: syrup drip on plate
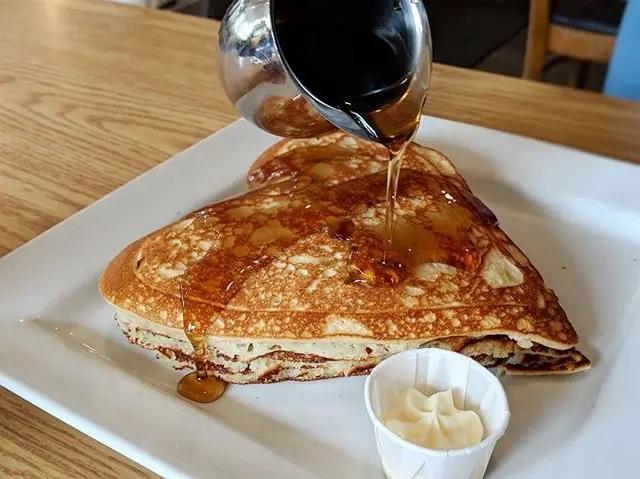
(199, 385)
(198, 388)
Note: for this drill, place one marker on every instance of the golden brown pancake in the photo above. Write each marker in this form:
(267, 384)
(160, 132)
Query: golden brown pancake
(286, 281)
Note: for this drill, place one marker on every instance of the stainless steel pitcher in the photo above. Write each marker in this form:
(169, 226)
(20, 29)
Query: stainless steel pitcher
(262, 86)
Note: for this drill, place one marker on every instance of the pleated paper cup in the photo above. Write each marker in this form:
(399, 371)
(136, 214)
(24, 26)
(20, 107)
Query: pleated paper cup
(431, 370)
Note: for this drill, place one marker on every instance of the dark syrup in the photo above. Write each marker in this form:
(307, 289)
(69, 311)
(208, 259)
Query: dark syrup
(356, 56)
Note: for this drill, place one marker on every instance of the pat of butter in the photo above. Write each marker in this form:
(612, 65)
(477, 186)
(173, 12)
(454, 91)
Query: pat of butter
(433, 421)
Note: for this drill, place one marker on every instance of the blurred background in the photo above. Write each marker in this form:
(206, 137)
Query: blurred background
(566, 42)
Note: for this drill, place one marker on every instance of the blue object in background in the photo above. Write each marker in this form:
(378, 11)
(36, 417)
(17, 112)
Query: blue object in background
(623, 77)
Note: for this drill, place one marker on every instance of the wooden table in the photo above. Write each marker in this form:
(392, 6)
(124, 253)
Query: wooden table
(92, 94)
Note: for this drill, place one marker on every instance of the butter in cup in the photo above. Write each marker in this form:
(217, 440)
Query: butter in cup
(433, 421)
(431, 370)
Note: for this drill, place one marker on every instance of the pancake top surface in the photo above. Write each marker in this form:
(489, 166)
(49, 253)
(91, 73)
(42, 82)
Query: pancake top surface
(289, 259)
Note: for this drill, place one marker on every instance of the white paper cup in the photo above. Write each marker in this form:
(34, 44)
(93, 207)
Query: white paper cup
(431, 370)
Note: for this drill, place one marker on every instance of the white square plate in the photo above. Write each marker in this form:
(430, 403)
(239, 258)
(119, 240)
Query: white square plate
(576, 215)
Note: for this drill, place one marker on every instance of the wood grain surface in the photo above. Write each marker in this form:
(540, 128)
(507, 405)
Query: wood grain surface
(94, 93)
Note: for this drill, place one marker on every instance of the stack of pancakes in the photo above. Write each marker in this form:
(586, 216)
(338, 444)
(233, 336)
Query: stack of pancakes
(271, 286)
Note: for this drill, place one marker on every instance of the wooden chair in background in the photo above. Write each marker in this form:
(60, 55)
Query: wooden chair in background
(583, 30)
